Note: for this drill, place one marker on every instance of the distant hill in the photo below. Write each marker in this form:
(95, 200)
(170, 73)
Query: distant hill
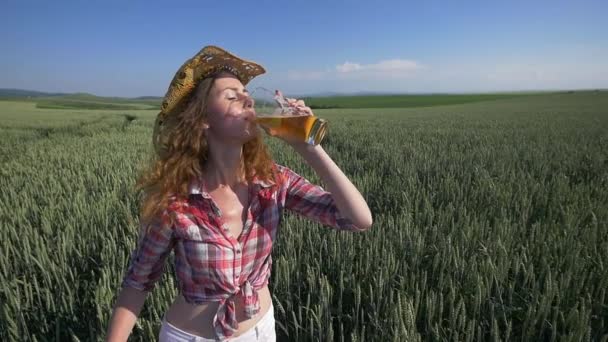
(335, 93)
(375, 100)
(158, 98)
(15, 93)
(8, 92)
(325, 100)
(79, 100)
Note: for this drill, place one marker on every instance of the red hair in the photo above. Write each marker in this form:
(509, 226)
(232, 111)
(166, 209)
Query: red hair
(167, 177)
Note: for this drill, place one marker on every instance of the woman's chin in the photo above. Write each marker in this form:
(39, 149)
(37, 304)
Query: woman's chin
(250, 134)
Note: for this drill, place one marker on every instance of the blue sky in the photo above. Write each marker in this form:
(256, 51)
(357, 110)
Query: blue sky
(133, 48)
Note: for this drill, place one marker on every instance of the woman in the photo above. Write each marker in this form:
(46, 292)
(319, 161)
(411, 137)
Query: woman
(214, 196)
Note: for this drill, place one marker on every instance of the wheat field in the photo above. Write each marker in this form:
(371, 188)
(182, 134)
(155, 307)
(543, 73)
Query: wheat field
(490, 224)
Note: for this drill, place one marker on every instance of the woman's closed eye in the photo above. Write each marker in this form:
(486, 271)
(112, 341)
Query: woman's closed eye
(232, 96)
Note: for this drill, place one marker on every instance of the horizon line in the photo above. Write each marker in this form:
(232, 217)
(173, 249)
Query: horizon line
(325, 93)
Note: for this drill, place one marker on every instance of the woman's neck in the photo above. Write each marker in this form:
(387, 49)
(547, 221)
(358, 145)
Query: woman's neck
(224, 167)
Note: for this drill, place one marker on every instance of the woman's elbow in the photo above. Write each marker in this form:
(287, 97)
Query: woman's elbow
(364, 223)
(366, 226)
(368, 220)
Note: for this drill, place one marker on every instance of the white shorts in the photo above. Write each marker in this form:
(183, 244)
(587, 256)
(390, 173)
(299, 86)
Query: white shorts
(264, 330)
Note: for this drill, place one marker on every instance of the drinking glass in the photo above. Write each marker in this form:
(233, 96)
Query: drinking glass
(274, 113)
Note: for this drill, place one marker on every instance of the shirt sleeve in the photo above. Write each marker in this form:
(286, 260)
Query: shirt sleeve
(312, 201)
(147, 261)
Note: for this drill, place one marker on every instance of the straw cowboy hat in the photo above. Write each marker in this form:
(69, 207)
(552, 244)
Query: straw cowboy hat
(208, 61)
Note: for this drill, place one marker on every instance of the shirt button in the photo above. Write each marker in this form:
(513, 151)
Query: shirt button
(238, 251)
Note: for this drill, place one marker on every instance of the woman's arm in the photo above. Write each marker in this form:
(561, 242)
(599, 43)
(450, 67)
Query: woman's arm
(349, 200)
(146, 266)
(126, 310)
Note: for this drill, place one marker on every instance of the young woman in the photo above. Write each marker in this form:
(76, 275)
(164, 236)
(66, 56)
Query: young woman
(214, 196)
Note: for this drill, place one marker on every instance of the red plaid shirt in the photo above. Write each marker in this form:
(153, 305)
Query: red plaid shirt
(210, 264)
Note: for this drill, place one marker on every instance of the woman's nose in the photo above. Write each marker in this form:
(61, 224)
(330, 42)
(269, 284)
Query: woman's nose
(247, 100)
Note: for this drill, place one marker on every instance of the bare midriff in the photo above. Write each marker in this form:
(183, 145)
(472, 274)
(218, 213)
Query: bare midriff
(197, 319)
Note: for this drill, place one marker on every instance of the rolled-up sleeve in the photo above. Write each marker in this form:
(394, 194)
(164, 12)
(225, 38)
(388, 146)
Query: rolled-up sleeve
(312, 201)
(147, 261)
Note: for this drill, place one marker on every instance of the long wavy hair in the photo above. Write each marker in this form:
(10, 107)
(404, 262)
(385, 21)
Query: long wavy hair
(167, 177)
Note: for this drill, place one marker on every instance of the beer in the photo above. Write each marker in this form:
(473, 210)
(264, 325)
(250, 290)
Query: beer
(306, 128)
(279, 117)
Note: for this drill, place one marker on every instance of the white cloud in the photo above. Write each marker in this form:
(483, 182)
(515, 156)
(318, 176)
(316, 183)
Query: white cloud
(385, 69)
(390, 65)
(348, 67)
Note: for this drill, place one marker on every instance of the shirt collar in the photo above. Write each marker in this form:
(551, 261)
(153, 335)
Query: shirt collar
(198, 187)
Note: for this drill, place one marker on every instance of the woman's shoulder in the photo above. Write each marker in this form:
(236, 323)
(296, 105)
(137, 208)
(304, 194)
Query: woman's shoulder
(283, 170)
(183, 218)
(176, 204)
(175, 211)
(285, 174)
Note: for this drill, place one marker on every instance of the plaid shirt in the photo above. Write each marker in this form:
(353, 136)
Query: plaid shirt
(210, 264)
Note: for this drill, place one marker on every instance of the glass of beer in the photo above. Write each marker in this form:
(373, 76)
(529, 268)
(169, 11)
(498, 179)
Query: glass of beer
(279, 118)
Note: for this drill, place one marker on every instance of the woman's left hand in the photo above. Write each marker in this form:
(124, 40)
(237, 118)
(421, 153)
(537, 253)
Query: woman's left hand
(299, 107)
